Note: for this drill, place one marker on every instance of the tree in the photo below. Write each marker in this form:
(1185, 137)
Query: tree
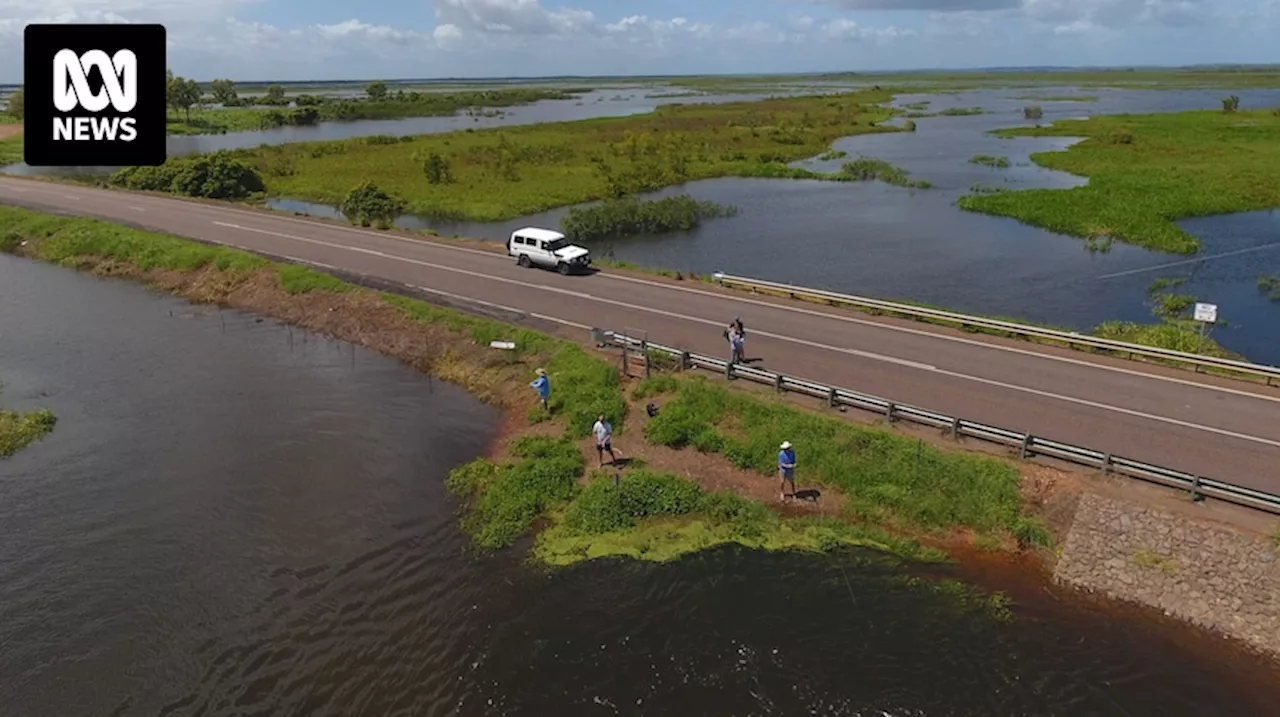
(224, 92)
(275, 93)
(367, 204)
(1231, 103)
(182, 94)
(376, 90)
(17, 107)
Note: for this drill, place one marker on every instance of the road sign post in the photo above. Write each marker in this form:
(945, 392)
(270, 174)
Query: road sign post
(1205, 314)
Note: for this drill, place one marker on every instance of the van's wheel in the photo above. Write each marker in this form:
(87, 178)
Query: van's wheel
(523, 261)
(563, 268)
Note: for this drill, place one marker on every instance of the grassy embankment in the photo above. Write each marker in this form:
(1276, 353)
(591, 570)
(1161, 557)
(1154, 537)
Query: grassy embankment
(1148, 171)
(19, 430)
(896, 487)
(10, 141)
(499, 174)
(331, 109)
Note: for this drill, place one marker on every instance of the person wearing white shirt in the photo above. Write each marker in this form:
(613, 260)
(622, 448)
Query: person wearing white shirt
(604, 440)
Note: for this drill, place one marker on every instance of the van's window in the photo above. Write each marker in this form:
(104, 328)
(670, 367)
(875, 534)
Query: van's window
(558, 244)
(519, 240)
(542, 245)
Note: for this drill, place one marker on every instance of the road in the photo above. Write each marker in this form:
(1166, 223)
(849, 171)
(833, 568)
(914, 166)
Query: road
(1216, 428)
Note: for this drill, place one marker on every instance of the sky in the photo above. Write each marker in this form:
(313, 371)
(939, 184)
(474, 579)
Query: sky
(394, 39)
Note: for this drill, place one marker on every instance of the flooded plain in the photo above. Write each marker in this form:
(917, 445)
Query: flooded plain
(233, 517)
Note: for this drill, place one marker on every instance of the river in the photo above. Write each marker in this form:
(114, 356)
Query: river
(236, 518)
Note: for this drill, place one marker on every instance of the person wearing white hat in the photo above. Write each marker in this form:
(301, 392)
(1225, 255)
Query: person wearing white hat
(787, 469)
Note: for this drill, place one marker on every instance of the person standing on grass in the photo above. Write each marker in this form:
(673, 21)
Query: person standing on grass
(543, 386)
(604, 440)
(787, 469)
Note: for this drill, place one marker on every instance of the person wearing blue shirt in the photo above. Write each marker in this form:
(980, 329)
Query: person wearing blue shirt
(543, 386)
(787, 468)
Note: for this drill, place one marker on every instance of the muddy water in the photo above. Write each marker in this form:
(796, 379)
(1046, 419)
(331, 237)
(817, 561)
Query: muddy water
(230, 522)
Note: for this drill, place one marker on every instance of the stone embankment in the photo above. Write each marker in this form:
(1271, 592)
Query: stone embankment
(1210, 575)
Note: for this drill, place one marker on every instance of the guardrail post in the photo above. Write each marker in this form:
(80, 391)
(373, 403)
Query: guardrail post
(1106, 464)
(644, 346)
(684, 360)
(888, 412)
(1196, 495)
(831, 397)
(777, 382)
(955, 429)
(1025, 450)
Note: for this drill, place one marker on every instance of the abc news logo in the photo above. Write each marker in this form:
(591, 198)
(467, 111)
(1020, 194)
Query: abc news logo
(101, 92)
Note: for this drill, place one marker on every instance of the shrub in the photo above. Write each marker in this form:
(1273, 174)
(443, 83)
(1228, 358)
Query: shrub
(909, 126)
(990, 161)
(605, 507)
(368, 205)
(213, 176)
(1032, 112)
(865, 169)
(629, 216)
(437, 169)
(1230, 103)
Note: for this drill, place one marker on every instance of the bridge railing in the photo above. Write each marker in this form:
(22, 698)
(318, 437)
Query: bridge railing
(1026, 445)
(1270, 374)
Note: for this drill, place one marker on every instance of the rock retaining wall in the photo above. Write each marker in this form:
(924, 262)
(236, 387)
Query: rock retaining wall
(1208, 575)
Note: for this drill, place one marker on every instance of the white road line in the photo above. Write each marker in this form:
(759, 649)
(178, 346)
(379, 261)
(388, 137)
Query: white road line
(72, 197)
(138, 209)
(838, 349)
(442, 246)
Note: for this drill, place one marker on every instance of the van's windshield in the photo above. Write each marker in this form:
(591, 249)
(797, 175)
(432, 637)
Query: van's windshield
(557, 244)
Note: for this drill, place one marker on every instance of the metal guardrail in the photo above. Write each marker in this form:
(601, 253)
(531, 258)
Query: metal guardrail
(1269, 373)
(1026, 444)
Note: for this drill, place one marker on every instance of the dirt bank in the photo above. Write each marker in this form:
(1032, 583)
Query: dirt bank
(9, 130)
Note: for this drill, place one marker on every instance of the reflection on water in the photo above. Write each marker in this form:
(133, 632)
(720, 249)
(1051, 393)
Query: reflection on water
(230, 522)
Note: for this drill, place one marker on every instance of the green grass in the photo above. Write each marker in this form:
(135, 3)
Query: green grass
(1270, 285)
(889, 479)
(629, 216)
(961, 111)
(413, 104)
(1148, 171)
(990, 161)
(1165, 282)
(866, 168)
(832, 154)
(11, 150)
(19, 430)
(503, 173)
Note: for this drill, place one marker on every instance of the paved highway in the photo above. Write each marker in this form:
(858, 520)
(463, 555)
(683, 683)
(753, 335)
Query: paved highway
(1214, 427)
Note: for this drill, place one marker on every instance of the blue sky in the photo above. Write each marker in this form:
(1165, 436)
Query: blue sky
(328, 39)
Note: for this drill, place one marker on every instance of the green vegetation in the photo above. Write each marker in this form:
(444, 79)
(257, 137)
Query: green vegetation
(1231, 103)
(961, 111)
(503, 173)
(889, 479)
(19, 430)
(630, 216)
(866, 168)
(987, 189)
(832, 154)
(1148, 171)
(1176, 329)
(1165, 282)
(218, 175)
(367, 205)
(658, 516)
(909, 126)
(278, 110)
(1270, 285)
(11, 150)
(15, 108)
(990, 161)
(1058, 98)
(1155, 561)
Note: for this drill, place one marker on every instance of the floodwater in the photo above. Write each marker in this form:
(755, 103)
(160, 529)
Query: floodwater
(233, 518)
(878, 240)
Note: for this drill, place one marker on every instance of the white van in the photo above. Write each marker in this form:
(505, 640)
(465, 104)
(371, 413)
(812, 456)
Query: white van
(542, 247)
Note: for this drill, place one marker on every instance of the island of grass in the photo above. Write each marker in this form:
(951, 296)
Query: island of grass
(19, 430)
(500, 174)
(988, 160)
(889, 491)
(1148, 171)
(1058, 98)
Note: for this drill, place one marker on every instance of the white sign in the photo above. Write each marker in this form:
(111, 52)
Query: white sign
(119, 90)
(507, 345)
(1208, 313)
